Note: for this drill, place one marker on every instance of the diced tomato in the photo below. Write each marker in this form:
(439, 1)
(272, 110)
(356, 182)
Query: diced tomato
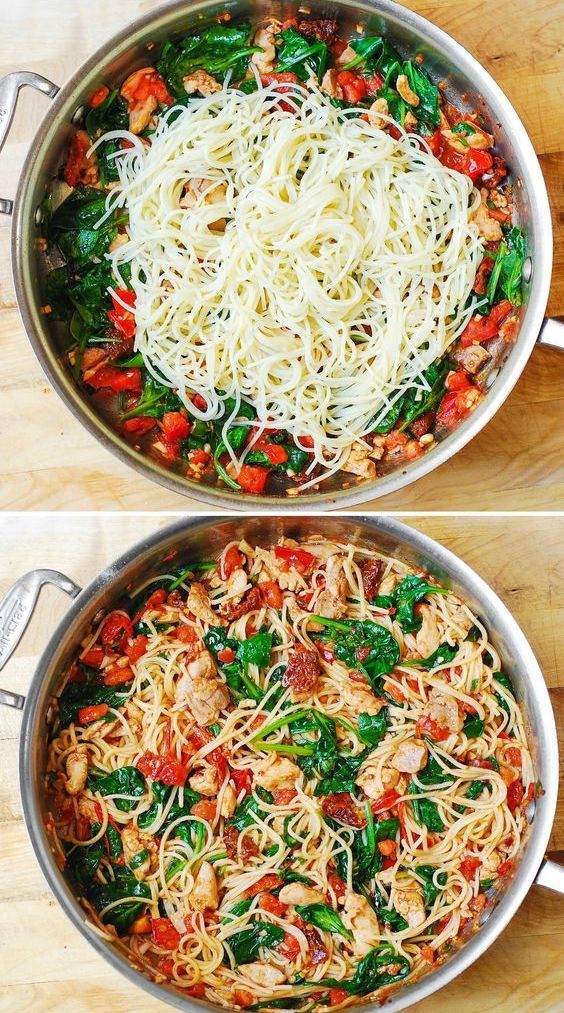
(290, 947)
(98, 96)
(198, 991)
(146, 84)
(268, 902)
(77, 162)
(387, 848)
(175, 426)
(205, 809)
(230, 560)
(93, 657)
(394, 691)
(505, 867)
(327, 653)
(166, 966)
(116, 675)
(473, 163)
(337, 884)
(199, 402)
(276, 454)
(337, 996)
(226, 656)
(139, 425)
(386, 801)
(271, 594)
(283, 796)
(435, 142)
(243, 998)
(374, 83)
(122, 319)
(301, 560)
(167, 769)
(513, 756)
(155, 599)
(468, 867)
(457, 381)
(478, 903)
(306, 442)
(242, 779)
(116, 626)
(116, 379)
(515, 794)
(93, 713)
(136, 648)
(426, 726)
(480, 329)
(141, 926)
(252, 479)
(355, 88)
(395, 439)
(284, 77)
(164, 933)
(199, 456)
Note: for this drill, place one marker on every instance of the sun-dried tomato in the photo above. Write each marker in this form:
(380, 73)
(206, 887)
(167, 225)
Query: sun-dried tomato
(322, 28)
(371, 571)
(302, 672)
(251, 601)
(341, 806)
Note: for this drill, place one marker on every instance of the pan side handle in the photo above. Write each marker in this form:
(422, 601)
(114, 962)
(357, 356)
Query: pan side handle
(16, 609)
(551, 875)
(552, 333)
(10, 86)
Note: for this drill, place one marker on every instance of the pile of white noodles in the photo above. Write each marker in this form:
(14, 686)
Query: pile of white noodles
(343, 269)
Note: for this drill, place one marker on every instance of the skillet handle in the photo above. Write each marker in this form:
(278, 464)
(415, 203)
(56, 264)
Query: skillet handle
(16, 610)
(551, 875)
(9, 90)
(552, 333)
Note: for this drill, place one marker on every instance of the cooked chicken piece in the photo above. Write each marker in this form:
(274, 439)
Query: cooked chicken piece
(140, 111)
(264, 61)
(491, 862)
(479, 139)
(300, 893)
(444, 710)
(237, 584)
(409, 902)
(101, 729)
(360, 699)
(410, 756)
(388, 584)
(361, 920)
(134, 844)
(332, 602)
(377, 110)
(295, 610)
(409, 96)
(262, 974)
(199, 604)
(488, 228)
(276, 772)
(346, 56)
(205, 780)
(201, 81)
(228, 801)
(201, 691)
(359, 463)
(472, 358)
(121, 239)
(272, 569)
(205, 895)
(428, 637)
(76, 766)
(390, 778)
(410, 121)
(87, 808)
(213, 192)
(329, 84)
(134, 716)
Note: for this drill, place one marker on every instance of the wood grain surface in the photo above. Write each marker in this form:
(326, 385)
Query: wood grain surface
(46, 966)
(517, 462)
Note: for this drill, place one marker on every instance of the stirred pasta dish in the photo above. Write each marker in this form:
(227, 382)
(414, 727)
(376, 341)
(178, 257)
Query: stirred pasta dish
(290, 261)
(294, 777)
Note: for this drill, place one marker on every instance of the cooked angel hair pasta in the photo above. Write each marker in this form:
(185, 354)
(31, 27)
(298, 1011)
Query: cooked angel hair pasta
(298, 773)
(340, 269)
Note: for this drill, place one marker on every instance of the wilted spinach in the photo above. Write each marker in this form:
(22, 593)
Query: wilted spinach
(324, 917)
(124, 885)
(216, 49)
(301, 55)
(246, 943)
(123, 781)
(370, 972)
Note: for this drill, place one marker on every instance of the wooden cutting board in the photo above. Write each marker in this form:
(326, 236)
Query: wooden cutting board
(46, 966)
(517, 462)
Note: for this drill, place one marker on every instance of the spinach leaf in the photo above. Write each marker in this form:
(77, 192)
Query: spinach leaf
(324, 917)
(77, 695)
(123, 781)
(247, 810)
(237, 910)
(504, 681)
(389, 420)
(430, 888)
(343, 775)
(397, 108)
(369, 49)
(161, 794)
(156, 399)
(82, 863)
(123, 886)
(433, 775)
(372, 727)
(507, 274)
(473, 726)
(111, 114)
(82, 209)
(216, 49)
(443, 654)
(255, 650)
(301, 55)
(354, 636)
(416, 401)
(246, 944)
(297, 459)
(389, 916)
(370, 972)
(406, 595)
(473, 634)
(425, 811)
(476, 789)
(419, 81)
